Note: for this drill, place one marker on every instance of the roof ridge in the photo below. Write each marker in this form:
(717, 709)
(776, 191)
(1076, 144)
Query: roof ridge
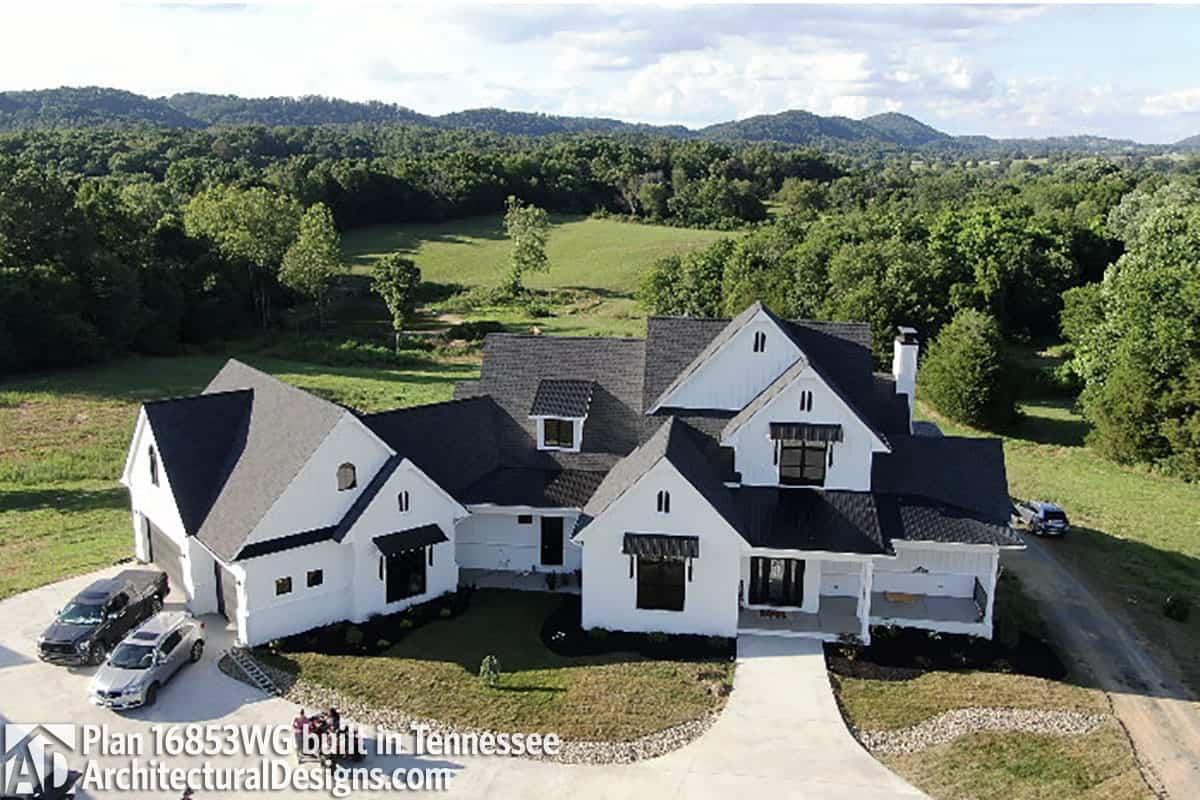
(421, 406)
(199, 396)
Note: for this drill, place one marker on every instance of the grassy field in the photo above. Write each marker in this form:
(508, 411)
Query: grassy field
(598, 262)
(63, 438)
(433, 673)
(1135, 534)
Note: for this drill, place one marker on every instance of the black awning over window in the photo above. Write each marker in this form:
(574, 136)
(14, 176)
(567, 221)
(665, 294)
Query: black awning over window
(805, 432)
(661, 545)
(410, 539)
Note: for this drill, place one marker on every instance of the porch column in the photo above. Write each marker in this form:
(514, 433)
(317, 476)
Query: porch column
(866, 577)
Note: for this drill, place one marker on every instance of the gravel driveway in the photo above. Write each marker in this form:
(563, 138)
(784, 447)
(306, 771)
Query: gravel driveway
(780, 735)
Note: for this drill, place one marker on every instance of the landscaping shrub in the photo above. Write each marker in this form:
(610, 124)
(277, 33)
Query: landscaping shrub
(489, 671)
(346, 352)
(1177, 608)
(472, 331)
(564, 636)
(964, 375)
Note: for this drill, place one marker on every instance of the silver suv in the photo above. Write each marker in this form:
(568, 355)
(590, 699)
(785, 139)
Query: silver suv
(146, 659)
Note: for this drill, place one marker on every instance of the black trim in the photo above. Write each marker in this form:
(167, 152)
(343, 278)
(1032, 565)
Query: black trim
(806, 432)
(285, 543)
(660, 545)
(410, 539)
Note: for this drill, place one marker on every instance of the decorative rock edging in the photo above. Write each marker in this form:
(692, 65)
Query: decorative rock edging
(951, 725)
(311, 696)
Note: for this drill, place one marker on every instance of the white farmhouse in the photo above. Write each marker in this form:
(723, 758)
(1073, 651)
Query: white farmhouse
(716, 477)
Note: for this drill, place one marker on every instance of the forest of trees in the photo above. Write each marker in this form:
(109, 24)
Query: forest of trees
(147, 239)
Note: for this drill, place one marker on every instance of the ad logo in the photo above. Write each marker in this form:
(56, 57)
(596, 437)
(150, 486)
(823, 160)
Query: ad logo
(34, 764)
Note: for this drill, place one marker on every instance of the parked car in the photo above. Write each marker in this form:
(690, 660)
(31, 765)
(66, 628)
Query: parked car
(1041, 517)
(88, 627)
(147, 659)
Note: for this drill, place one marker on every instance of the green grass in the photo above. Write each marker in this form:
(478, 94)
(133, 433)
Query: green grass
(600, 261)
(1135, 534)
(433, 673)
(64, 435)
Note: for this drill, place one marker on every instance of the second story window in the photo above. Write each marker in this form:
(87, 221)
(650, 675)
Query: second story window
(558, 433)
(347, 477)
(153, 465)
(760, 342)
(664, 501)
(802, 463)
(403, 501)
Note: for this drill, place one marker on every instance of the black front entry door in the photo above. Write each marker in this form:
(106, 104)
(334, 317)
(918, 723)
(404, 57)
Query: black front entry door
(552, 541)
(776, 582)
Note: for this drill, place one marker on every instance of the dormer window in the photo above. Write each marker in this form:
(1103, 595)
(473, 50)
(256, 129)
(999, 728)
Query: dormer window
(153, 465)
(347, 477)
(760, 342)
(558, 434)
(664, 501)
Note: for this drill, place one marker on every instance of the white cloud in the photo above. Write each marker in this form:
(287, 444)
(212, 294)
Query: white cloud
(1183, 101)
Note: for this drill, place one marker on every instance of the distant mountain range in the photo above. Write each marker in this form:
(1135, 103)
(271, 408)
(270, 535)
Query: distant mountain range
(97, 106)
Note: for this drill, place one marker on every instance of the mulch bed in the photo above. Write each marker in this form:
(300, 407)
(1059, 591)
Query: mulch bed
(905, 653)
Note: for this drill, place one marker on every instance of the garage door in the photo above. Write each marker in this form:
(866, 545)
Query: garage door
(227, 596)
(165, 555)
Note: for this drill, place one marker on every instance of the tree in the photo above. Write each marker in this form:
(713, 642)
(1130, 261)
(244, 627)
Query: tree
(528, 227)
(396, 280)
(312, 261)
(254, 227)
(964, 376)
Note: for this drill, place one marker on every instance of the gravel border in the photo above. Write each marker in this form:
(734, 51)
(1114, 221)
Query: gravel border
(306, 694)
(951, 725)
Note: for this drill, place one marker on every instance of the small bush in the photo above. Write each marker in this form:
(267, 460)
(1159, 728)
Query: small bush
(658, 637)
(445, 612)
(382, 644)
(599, 634)
(1177, 608)
(354, 636)
(538, 309)
(551, 581)
(489, 671)
(964, 375)
(472, 331)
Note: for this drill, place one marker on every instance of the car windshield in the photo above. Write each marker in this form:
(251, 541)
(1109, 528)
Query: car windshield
(81, 614)
(132, 656)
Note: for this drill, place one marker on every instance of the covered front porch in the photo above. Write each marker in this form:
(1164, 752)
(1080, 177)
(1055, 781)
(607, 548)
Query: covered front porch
(812, 595)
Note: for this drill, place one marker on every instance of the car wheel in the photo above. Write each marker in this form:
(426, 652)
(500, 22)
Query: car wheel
(151, 694)
(97, 652)
(197, 650)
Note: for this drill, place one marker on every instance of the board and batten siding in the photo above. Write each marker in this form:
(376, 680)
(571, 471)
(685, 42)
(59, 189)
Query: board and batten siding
(735, 374)
(710, 597)
(945, 570)
(493, 538)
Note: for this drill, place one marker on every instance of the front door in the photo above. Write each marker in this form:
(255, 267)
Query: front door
(552, 541)
(776, 582)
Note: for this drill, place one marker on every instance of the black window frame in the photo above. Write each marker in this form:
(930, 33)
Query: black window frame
(553, 429)
(806, 400)
(760, 342)
(524, 519)
(343, 470)
(664, 501)
(404, 501)
(154, 478)
(661, 584)
(308, 578)
(284, 584)
(812, 455)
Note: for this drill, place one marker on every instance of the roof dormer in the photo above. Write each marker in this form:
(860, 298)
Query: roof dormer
(560, 409)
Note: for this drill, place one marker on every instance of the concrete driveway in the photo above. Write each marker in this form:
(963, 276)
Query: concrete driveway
(781, 734)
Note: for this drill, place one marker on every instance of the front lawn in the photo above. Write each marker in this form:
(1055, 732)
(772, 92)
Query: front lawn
(432, 673)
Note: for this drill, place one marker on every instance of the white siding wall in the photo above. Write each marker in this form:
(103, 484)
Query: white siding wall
(735, 374)
(945, 571)
(754, 450)
(610, 595)
(269, 616)
(841, 578)
(493, 539)
(312, 500)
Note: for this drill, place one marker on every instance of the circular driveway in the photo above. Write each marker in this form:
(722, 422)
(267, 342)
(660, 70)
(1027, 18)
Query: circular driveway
(781, 734)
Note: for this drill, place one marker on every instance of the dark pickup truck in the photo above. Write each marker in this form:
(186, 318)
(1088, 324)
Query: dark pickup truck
(100, 616)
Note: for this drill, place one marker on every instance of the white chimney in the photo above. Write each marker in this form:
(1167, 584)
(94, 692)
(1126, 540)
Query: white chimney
(904, 364)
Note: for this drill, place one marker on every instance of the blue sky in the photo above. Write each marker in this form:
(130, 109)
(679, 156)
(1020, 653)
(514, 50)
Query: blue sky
(1122, 71)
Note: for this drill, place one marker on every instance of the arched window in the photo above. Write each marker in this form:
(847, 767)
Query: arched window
(664, 501)
(347, 477)
(153, 465)
(760, 342)
(403, 501)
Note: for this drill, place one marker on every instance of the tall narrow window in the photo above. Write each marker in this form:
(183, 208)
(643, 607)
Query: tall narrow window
(664, 501)
(760, 342)
(403, 501)
(806, 401)
(347, 477)
(153, 465)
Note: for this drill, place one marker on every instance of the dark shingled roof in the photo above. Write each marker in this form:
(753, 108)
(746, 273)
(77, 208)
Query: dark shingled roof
(285, 427)
(199, 439)
(539, 488)
(805, 519)
(281, 543)
(559, 398)
(956, 471)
